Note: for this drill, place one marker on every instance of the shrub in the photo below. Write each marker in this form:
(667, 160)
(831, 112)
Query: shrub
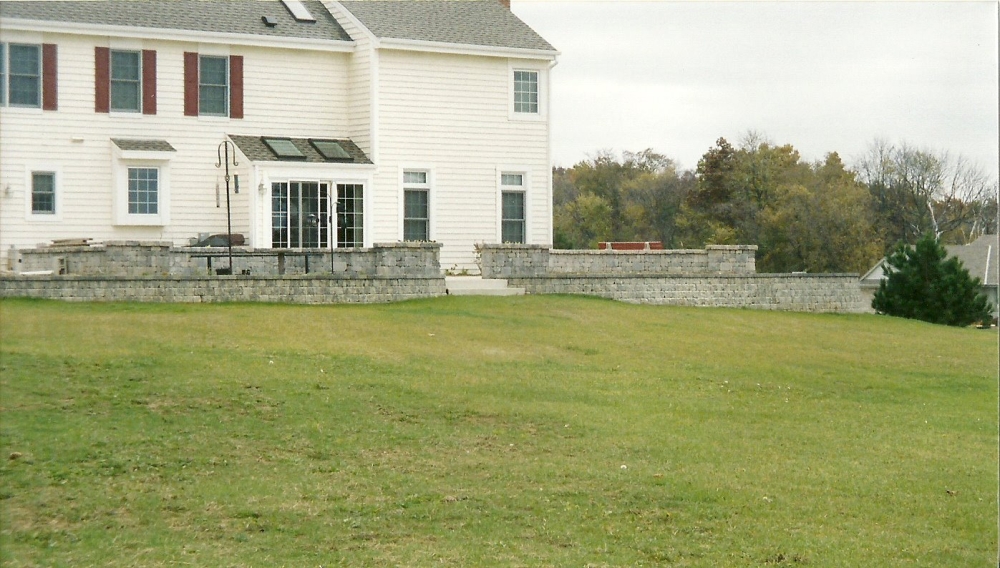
(921, 283)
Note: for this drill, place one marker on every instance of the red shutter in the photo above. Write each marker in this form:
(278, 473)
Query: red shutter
(102, 79)
(50, 77)
(148, 81)
(235, 86)
(190, 84)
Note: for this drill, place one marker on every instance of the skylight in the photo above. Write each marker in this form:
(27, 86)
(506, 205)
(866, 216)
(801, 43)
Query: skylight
(298, 10)
(330, 149)
(283, 148)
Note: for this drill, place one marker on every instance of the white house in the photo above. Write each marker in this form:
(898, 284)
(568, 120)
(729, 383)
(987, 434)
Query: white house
(350, 123)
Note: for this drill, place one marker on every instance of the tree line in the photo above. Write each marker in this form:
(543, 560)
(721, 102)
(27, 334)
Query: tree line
(823, 216)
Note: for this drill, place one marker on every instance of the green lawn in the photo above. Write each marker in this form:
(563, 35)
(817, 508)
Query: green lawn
(533, 431)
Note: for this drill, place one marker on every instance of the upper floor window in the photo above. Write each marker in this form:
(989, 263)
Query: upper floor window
(28, 75)
(526, 92)
(126, 81)
(23, 76)
(416, 206)
(213, 85)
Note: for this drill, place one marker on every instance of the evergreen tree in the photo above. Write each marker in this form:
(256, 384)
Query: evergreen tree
(921, 284)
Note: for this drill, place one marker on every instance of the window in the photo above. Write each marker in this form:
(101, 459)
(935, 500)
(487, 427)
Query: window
(24, 74)
(350, 215)
(28, 75)
(526, 92)
(416, 211)
(126, 81)
(512, 214)
(299, 214)
(43, 193)
(143, 191)
(213, 85)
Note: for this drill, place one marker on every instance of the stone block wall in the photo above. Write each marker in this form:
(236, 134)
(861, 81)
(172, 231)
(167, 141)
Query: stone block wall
(719, 276)
(837, 293)
(513, 261)
(136, 258)
(157, 272)
(312, 289)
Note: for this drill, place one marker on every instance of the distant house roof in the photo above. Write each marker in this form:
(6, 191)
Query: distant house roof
(254, 148)
(143, 145)
(980, 258)
(484, 23)
(218, 16)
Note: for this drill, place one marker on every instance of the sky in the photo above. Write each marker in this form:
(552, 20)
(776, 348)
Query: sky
(821, 76)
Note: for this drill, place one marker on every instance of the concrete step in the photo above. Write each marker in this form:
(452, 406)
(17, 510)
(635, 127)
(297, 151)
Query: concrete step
(479, 286)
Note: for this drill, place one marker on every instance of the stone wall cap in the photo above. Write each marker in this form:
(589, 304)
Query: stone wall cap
(731, 247)
(408, 245)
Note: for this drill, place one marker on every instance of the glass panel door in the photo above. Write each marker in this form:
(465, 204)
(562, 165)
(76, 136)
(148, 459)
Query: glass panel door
(300, 214)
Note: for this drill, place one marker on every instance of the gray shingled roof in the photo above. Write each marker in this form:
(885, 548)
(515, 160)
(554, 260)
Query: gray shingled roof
(143, 145)
(976, 256)
(467, 22)
(221, 16)
(255, 150)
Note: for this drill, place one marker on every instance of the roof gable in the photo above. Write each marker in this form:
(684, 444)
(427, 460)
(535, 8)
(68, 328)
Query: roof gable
(213, 16)
(481, 23)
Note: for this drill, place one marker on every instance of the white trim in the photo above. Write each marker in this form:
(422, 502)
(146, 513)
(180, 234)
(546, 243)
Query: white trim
(525, 188)
(122, 160)
(57, 185)
(431, 198)
(74, 28)
(464, 49)
(354, 20)
(543, 92)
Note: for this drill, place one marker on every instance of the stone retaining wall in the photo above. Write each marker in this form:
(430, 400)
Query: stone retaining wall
(157, 272)
(789, 292)
(719, 276)
(511, 261)
(312, 289)
(138, 258)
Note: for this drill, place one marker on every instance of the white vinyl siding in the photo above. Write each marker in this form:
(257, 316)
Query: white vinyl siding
(79, 143)
(454, 111)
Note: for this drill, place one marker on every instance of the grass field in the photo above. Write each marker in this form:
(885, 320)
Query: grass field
(534, 431)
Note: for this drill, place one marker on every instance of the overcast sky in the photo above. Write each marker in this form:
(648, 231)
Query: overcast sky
(822, 76)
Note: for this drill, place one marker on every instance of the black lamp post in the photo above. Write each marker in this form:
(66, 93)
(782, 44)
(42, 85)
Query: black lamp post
(224, 149)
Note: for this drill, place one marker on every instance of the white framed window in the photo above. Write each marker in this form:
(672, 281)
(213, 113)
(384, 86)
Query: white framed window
(43, 200)
(213, 85)
(143, 191)
(126, 81)
(528, 97)
(21, 75)
(416, 205)
(513, 212)
(43, 193)
(525, 91)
